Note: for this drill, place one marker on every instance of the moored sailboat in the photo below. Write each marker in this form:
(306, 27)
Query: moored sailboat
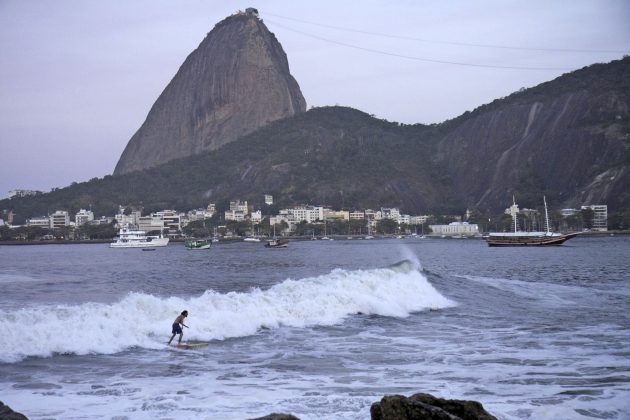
(519, 238)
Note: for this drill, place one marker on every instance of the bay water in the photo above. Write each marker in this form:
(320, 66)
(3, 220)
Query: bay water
(321, 329)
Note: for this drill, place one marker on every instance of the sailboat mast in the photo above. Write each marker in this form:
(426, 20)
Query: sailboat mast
(546, 213)
(513, 211)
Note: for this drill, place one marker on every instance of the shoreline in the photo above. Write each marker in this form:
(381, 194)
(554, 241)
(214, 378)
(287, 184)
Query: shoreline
(295, 238)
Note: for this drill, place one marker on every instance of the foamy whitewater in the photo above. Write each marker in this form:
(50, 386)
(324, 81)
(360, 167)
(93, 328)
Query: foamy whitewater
(320, 330)
(138, 319)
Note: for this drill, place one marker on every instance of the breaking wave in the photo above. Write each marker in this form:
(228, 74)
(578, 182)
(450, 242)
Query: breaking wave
(144, 320)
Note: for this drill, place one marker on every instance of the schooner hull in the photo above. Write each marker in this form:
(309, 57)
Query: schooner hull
(528, 241)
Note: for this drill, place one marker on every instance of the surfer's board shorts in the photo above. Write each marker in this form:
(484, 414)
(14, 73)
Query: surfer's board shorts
(177, 329)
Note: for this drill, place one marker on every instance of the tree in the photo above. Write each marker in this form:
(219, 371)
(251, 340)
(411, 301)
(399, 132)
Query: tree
(587, 217)
(386, 226)
(619, 220)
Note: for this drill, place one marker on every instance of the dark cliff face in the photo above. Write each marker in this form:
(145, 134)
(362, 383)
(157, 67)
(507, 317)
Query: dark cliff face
(236, 81)
(566, 140)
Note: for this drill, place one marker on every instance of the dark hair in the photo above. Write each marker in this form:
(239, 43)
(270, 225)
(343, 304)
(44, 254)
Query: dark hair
(185, 313)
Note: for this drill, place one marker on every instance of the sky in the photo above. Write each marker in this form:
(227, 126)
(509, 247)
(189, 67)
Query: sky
(78, 77)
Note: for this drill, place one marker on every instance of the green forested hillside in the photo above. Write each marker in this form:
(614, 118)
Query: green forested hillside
(568, 139)
(336, 156)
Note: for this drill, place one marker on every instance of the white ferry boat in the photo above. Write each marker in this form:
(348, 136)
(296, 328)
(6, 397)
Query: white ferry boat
(128, 238)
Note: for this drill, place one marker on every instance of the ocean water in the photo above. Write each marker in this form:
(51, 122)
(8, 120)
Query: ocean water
(321, 329)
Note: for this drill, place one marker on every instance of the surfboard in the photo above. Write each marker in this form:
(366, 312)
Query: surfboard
(189, 345)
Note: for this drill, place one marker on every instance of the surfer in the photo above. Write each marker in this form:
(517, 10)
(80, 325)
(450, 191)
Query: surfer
(176, 326)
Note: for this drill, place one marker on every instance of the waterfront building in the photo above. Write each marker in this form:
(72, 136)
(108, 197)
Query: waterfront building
(356, 215)
(600, 216)
(278, 219)
(456, 229)
(569, 212)
(41, 221)
(369, 214)
(268, 199)
(238, 211)
(236, 216)
(308, 214)
(171, 220)
(150, 223)
(331, 215)
(82, 217)
(256, 216)
(102, 221)
(59, 218)
(202, 214)
(419, 220)
(390, 213)
(123, 219)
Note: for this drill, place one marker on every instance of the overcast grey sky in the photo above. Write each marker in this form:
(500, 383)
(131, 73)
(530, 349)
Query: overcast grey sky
(78, 77)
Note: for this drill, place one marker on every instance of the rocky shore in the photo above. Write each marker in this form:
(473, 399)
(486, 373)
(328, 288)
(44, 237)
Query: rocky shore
(7, 414)
(391, 407)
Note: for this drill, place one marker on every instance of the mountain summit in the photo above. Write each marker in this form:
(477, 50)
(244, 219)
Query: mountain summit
(235, 82)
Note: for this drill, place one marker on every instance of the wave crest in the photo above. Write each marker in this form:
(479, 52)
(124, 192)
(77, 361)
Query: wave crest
(144, 320)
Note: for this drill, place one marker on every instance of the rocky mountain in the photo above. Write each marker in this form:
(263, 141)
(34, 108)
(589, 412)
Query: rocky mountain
(236, 81)
(568, 139)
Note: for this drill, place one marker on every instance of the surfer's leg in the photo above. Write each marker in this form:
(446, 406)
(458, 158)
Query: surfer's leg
(180, 337)
(172, 336)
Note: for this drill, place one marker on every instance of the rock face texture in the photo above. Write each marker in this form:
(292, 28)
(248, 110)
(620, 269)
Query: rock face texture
(7, 414)
(568, 139)
(427, 407)
(236, 81)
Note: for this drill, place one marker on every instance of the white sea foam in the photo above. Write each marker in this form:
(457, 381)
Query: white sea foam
(144, 320)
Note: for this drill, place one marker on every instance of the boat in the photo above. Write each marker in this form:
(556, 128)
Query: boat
(277, 243)
(198, 243)
(251, 239)
(130, 238)
(519, 238)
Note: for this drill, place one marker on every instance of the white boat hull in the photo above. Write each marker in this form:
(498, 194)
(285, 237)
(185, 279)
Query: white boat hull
(154, 243)
(128, 238)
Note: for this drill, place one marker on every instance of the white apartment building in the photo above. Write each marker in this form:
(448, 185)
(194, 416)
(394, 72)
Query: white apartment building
(390, 213)
(202, 214)
(369, 214)
(276, 220)
(404, 219)
(171, 220)
(238, 211)
(268, 199)
(83, 216)
(419, 220)
(123, 219)
(59, 218)
(308, 214)
(600, 216)
(456, 228)
(150, 223)
(237, 216)
(23, 193)
(102, 221)
(256, 216)
(42, 221)
(356, 215)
